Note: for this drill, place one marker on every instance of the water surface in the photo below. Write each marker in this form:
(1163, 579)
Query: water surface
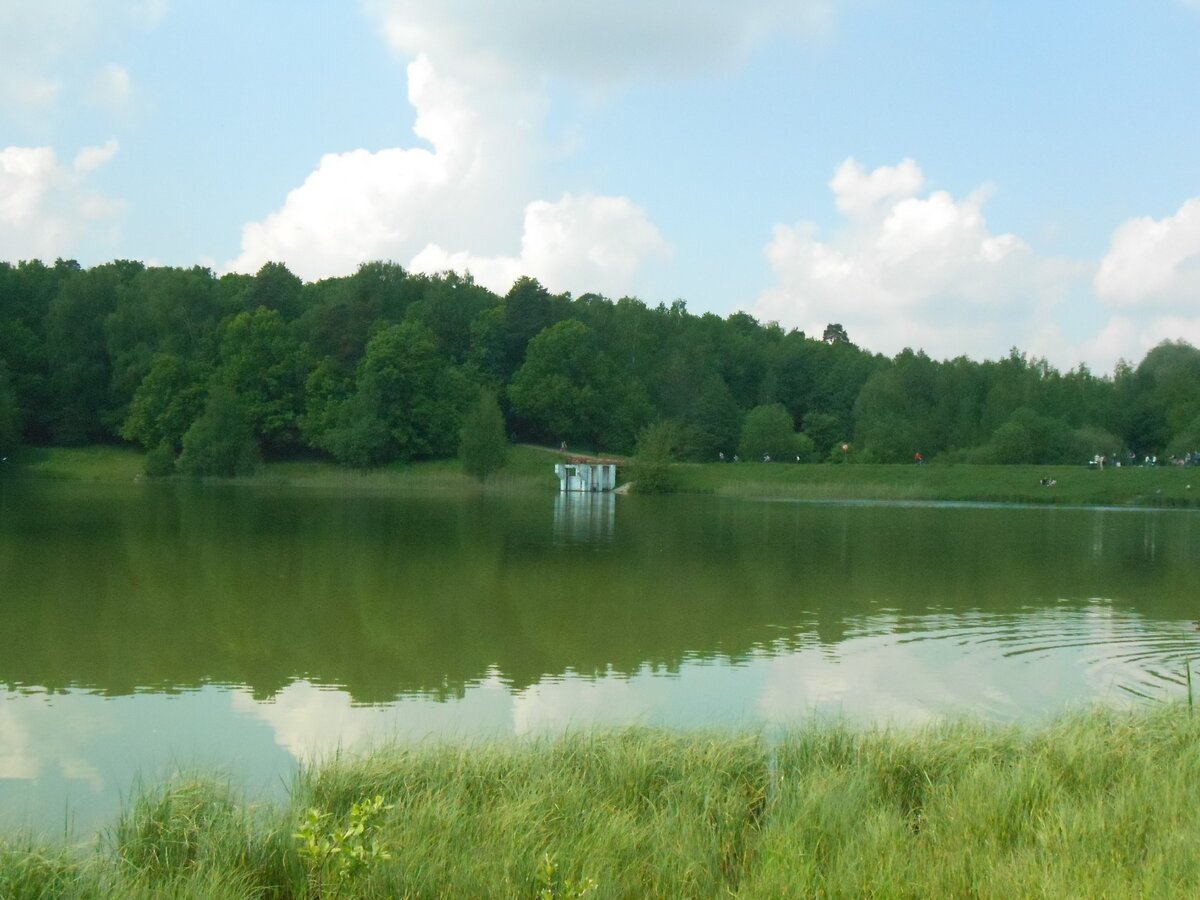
(145, 628)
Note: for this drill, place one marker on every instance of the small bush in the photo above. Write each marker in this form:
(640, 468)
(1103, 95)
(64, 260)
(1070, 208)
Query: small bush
(654, 469)
(160, 462)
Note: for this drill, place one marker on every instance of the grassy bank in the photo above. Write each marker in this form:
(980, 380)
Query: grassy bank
(1073, 485)
(1101, 804)
(528, 468)
(532, 469)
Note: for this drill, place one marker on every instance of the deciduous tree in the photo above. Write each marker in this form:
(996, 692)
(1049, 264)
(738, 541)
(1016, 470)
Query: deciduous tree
(482, 444)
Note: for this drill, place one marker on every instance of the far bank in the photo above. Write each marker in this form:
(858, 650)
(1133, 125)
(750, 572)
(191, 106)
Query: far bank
(531, 468)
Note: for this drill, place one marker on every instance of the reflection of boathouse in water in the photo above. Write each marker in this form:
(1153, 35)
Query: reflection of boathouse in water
(584, 518)
(579, 473)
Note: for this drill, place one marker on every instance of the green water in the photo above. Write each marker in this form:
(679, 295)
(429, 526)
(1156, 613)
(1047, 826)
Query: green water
(145, 628)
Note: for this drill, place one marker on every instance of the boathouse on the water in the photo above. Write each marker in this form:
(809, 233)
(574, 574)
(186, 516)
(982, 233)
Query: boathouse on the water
(580, 473)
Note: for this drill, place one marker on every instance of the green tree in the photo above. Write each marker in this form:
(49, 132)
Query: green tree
(712, 421)
(80, 400)
(451, 303)
(160, 461)
(658, 448)
(416, 392)
(835, 334)
(275, 287)
(894, 413)
(571, 390)
(1028, 437)
(502, 334)
(221, 441)
(10, 415)
(267, 368)
(482, 444)
(358, 435)
(166, 403)
(768, 430)
(1187, 439)
(823, 430)
(325, 390)
(162, 310)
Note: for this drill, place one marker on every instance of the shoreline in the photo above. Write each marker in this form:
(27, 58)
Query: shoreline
(530, 469)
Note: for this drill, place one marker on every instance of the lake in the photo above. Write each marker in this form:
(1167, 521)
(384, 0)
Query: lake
(152, 627)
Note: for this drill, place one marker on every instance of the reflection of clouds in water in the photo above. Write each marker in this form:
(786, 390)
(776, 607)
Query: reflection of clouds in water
(310, 721)
(574, 702)
(82, 770)
(17, 758)
(802, 684)
(38, 731)
(993, 667)
(887, 672)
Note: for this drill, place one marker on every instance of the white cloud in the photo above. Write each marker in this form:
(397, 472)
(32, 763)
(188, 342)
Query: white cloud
(859, 193)
(456, 205)
(477, 80)
(45, 206)
(590, 43)
(1131, 338)
(27, 91)
(583, 243)
(911, 270)
(91, 158)
(112, 89)
(361, 205)
(48, 46)
(1153, 262)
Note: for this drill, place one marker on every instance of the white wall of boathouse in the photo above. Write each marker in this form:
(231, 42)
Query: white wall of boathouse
(585, 476)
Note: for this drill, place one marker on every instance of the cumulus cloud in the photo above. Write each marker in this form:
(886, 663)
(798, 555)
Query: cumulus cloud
(456, 204)
(46, 206)
(911, 267)
(477, 79)
(583, 243)
(1153, 262)
(467, 187)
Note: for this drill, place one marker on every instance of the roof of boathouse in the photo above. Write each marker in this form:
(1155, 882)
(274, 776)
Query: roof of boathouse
(592, 461)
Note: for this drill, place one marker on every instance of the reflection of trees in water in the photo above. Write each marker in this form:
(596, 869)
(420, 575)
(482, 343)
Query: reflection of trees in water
(181, 585)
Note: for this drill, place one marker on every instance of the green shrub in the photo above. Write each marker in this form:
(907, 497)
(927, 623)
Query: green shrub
(160, 461)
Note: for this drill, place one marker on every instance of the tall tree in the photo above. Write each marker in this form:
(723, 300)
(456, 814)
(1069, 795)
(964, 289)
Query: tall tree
(166, 403)
(770, 431)
(221, 442)
(419, 395)
(10, 415)
(80, 401)
(571, 390)
(482, 444)
(267, 367)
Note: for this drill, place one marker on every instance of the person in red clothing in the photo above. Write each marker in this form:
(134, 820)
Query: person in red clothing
(917, 458)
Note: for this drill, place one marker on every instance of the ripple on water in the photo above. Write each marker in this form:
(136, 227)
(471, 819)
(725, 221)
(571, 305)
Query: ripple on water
(1114, 649)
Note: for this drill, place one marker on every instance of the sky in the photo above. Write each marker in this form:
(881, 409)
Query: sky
(956, 176)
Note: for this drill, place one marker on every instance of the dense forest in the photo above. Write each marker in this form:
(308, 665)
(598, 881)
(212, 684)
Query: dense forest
(211, 374)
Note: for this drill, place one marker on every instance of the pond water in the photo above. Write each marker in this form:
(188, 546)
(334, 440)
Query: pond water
(146, 628)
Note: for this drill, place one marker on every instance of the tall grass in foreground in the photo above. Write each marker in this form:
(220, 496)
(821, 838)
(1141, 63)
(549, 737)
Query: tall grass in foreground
(1101, 804)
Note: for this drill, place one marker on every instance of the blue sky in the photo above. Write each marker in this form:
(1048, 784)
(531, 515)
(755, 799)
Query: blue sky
(961, 177)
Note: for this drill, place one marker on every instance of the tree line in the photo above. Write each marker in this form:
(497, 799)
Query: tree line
(211, 374)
